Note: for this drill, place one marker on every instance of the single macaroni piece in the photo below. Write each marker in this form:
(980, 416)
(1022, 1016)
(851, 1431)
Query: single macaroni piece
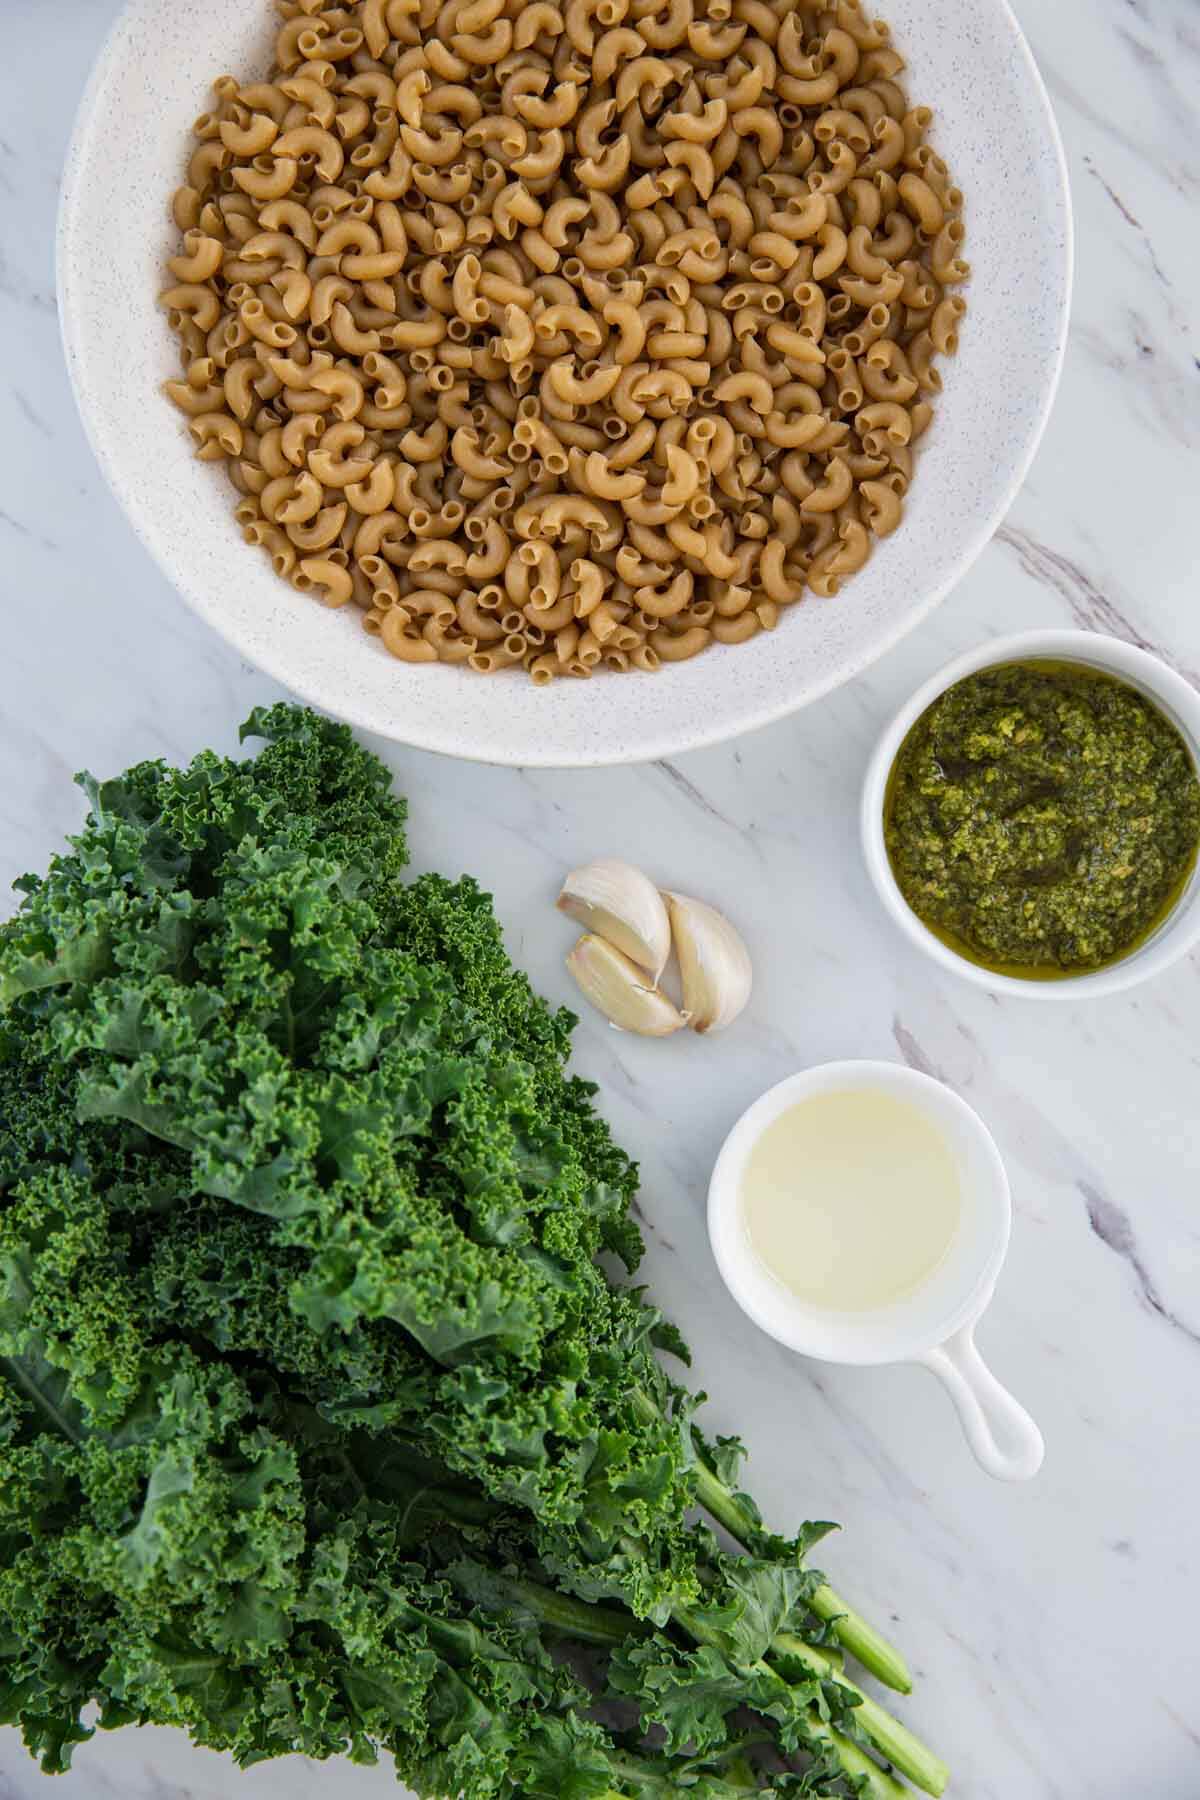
(567, 336)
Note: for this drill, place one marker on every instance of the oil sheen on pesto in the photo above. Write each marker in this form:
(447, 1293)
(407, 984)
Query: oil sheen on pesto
(1042, 817)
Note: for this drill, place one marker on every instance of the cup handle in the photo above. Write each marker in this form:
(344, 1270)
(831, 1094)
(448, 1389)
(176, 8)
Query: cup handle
(1002, 1436)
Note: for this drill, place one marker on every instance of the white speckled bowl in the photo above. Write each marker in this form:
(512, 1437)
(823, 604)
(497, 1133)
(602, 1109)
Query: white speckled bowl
(994, 126)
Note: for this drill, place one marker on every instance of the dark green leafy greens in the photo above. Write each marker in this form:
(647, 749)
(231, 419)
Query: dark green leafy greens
(322, 1427)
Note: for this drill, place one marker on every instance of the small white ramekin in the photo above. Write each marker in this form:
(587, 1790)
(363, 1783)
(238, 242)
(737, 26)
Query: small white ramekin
(1177, 934)
(935, 1324)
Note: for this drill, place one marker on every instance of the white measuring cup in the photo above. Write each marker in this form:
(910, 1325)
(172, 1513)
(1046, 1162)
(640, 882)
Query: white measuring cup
(935, 1324)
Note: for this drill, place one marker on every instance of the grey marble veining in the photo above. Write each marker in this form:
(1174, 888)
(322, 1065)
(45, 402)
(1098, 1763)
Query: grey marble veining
(1051, 1627)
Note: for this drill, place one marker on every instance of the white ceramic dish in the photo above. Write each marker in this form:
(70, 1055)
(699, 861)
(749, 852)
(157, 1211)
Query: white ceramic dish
(1178, 933)
(933, 1326)
(995, 128)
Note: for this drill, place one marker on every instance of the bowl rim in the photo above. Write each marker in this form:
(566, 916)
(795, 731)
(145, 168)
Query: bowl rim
(692, 733)
(1175, 935)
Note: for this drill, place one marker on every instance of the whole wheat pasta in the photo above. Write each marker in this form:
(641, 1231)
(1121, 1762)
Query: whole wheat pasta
(566, 337)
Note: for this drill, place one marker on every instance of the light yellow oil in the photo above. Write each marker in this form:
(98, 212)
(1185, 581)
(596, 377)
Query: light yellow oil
(851, 1199)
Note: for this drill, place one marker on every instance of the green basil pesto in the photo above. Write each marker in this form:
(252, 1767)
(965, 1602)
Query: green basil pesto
(1042, 817)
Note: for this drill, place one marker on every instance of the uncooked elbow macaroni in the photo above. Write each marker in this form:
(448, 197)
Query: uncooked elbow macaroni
(571, 337)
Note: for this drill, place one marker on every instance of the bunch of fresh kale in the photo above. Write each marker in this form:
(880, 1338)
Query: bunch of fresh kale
(322, 1428)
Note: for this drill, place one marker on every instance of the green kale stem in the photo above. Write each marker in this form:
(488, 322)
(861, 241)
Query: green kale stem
(639, 1775)
(578, 1619)
(878, 1784)
(894, 1740)
(870, 1647)
(862, 1640)
(853, 1632)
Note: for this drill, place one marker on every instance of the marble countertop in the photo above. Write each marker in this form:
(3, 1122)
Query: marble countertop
(1049, 1625)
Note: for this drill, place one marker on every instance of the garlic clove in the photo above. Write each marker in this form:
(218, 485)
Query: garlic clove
(714, 963)
(620, 990)
(623, 906)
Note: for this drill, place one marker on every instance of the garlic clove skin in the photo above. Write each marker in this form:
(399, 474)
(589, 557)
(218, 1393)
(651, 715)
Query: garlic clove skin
(620, 990)
(714, 963)
(620, 904)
